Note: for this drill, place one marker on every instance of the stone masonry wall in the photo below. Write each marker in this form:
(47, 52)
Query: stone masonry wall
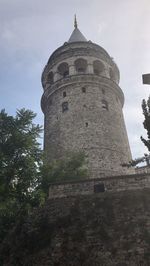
(86, 126)
(88, 187)
(101, 229)
(93, 121)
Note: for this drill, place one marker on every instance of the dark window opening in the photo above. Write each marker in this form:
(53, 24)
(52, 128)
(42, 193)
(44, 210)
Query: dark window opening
(64, 94)
(86, 124)
(66, 74)
(64, 107)
(84, 90)
(50, 78)
(111, 73)
(104, 105)
(81, 65)
(96, 72)
(63, 70)
(98, 67)
(99, 188)
(103, 91)
(81, 70)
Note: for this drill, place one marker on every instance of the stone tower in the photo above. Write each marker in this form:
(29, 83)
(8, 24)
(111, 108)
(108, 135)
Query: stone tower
(82, 103)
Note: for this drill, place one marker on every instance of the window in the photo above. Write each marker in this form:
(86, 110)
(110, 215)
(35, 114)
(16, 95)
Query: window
(81, 65)
(83, 89)
(98, 67)
(103, 91)
(96, 72)
(64, 107)
(86, 124)
(111, 74)
(81, 69)
(63, 70)
(105, 104)
(64, 94)
(50, 78)
(66, 73)
(99, 188)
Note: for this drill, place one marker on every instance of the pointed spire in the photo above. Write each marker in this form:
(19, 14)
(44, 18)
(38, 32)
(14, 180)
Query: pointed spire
(75, 22)
(76, 35)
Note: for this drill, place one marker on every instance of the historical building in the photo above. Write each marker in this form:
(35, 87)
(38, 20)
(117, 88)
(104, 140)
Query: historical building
(82, 103)
(99, 220)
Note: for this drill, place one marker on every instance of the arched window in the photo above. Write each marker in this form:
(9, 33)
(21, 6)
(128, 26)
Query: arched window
(63, 70)
(103, 91)
(111, 74)
(104, 104)
(83, 89)
(81, 65)
(98, 67)
(50, 78)
(64, 107)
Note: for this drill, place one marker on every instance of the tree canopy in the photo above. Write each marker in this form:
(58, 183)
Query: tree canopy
(72, 167)
(146, 123)
(24, 178)
(20, 160)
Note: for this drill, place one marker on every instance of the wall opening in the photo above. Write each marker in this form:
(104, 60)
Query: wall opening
(50, 78)
(63, 70)
(64, 107)
(111, 74)
(104, 104)
(50, 102)
(99, 188)
(103, 91)
(98, 67)
(81, 65)
(83, 89)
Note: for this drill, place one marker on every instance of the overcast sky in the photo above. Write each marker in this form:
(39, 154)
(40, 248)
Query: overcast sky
(30, 30)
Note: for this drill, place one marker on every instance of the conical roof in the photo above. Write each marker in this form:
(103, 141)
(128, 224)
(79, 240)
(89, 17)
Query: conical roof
(76, 35)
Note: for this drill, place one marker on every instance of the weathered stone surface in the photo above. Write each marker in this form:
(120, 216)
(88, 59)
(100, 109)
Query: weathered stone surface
(94, 121)
(103, 229)
(87, 187)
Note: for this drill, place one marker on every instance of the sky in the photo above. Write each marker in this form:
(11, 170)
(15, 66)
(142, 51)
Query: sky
(30, 30)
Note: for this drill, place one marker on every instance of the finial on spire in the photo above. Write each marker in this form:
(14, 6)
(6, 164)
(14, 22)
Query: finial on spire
(75, 22)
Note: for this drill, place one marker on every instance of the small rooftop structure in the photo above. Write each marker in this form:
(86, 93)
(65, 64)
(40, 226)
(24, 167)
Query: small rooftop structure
(76, 35)
(146, 79)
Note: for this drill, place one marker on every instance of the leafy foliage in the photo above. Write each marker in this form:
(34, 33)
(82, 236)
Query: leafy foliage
(20, 159)
(146, 123)
(24, 179)
(136, 161)
(72, 167)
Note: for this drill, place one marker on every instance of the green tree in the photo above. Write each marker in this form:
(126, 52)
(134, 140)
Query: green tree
(72, 167)
(20, 159)
(146, 123)
(24, 179)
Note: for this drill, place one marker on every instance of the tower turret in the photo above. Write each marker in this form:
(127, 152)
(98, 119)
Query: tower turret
(82, 103)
